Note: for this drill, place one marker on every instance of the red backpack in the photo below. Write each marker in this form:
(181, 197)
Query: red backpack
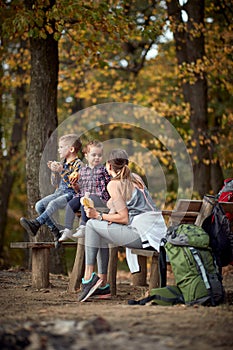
(226, 194)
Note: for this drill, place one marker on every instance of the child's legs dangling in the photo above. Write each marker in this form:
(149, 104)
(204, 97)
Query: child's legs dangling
(57, 203)
(41, 206)
(72, 207)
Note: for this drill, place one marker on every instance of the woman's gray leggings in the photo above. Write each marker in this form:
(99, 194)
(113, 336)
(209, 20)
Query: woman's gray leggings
(99, 234)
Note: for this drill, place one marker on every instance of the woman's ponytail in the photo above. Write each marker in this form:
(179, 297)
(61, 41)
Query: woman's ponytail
(124, 173)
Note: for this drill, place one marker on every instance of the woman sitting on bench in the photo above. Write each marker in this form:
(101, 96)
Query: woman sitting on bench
(133, 221)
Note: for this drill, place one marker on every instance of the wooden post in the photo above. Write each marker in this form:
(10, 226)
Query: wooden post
(139, 278)
(40, 267)
(206, 209)
(154, 273)
(78, 268)
(112, 268)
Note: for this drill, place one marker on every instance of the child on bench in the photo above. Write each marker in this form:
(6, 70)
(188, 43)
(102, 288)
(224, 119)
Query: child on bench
(68, 172)
(93, 180)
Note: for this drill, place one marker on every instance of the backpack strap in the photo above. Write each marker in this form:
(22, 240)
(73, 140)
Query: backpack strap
(200, 266)
(162, 264)
(178, 299)
(211, 199)
(141, 301)
(202, 270)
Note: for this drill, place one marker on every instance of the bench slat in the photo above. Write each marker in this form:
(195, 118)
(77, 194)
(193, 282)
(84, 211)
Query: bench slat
(188, 205)
(144, 252)
(227, 206)
(176, 213)
(25, 245)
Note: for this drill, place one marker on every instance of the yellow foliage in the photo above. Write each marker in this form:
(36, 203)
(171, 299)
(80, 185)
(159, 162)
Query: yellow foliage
(193, 143)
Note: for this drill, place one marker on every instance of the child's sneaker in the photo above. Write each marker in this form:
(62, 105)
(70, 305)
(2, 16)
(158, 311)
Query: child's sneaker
(89, 287)
(65, 234)
(102, 293)
(80, 232)
(56, 236)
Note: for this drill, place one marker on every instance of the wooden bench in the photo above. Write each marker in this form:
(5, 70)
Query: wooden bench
(40, 260)
(41, 251)
(186, 211)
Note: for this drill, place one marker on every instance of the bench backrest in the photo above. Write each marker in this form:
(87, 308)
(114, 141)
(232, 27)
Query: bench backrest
(188, 205)
(185, 211)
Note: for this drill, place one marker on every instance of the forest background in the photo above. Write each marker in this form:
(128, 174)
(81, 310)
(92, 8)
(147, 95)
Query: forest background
(61, 57)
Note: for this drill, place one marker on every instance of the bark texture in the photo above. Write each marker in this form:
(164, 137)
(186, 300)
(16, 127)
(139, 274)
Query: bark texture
(42, 121)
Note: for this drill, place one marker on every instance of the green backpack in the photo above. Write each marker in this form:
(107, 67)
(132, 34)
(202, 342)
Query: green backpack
(193, 264)
(197, 278)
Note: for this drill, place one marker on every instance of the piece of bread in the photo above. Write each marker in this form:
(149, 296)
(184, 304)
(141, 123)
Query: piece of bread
(87, 202)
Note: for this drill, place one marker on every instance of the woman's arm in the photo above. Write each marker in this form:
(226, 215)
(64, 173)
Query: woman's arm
(121, 215)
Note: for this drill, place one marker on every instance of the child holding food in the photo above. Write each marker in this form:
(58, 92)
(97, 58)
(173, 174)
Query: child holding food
(67, 171)
(92, 182)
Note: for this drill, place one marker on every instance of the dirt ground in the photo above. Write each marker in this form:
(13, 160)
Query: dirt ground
(53, 319)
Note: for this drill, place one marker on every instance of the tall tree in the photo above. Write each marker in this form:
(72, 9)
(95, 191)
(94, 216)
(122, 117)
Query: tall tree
(219, 53)
(29, 19)
(13, 113)
(42, 116)
(187, 23)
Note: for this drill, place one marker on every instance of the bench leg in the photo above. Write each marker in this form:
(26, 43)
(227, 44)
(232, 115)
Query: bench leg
(78, 268)
(139, 278)
(154, 273)
(40, 267)
(112, 268)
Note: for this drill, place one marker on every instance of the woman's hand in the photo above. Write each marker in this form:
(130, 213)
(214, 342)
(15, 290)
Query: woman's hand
(91, 213)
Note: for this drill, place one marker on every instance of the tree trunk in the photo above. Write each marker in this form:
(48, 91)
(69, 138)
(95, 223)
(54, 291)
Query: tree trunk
(217, 178)
(42, 122)
(11, 160)
(190, 50)
(42, 119)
